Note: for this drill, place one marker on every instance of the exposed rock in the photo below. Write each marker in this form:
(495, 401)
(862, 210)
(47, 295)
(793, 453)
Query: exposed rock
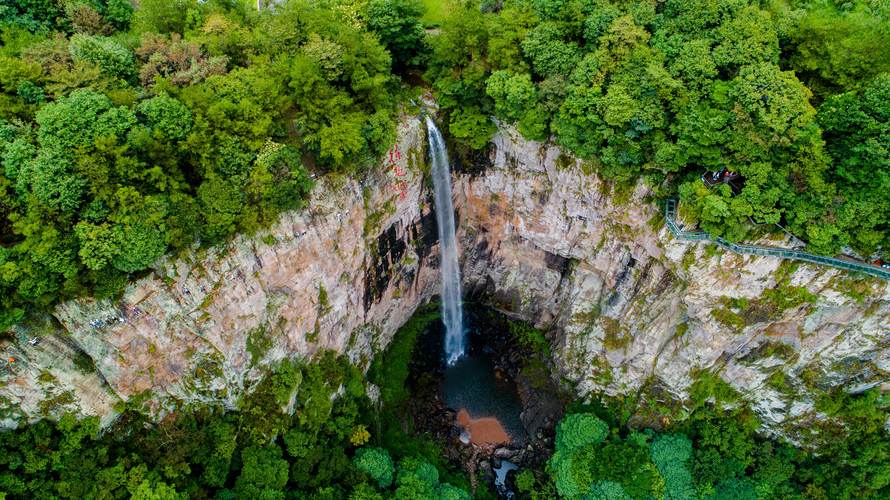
(626, 306)
(343, 274)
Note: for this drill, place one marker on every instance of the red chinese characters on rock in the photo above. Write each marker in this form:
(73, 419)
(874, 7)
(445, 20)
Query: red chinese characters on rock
(394, 154)
(400, 186)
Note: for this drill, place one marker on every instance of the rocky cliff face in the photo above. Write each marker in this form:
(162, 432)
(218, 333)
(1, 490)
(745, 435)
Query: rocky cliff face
(630, 308)
(627, 307)
(342, 275)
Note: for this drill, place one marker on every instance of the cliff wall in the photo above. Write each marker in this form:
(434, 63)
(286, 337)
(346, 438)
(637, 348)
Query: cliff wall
(628, 309)
(343, 274)
(632, 310)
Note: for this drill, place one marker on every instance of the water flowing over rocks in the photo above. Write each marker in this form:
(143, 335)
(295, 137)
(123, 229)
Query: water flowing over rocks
(625, 306)
(452, 310)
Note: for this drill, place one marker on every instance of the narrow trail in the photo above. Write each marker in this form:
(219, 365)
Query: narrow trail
(670, 216)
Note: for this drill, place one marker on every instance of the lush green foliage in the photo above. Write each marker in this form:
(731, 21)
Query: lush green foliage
(390, 369)
(259, 451)
(125, 135)
(377, 464)
(397, 23)
(669, 90)
(580, 430)
(718, 454)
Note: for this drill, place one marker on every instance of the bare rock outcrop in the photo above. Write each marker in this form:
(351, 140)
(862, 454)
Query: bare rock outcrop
(628, 306)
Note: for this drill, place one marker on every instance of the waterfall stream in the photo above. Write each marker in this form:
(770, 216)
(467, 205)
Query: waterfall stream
(452, 310)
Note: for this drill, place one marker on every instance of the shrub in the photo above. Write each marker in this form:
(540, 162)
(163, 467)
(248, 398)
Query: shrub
(112, 58)
(377, 463)
(579, 430)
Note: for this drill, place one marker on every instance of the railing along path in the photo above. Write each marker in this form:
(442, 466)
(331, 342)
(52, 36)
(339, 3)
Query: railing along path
(670, 215)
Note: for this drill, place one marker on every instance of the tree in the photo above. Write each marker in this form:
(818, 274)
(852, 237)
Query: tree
(51, 178)
(169, 118)
(278, 181)
(119, 13)
(263, 474)
(839, 48)
(671, 454)
(78, 120)
(607, 490)
(473, 126)
(576, 435)
(365, 491)
(142, 235)
(221, 202)
(447, 491)
(164, 16)
(579, 430)
(857, 132)
(157, 491)
(33, 15)
(112, 58)
(416, 479)
(377, 463)
(217, 458)
(544, 45)
(397, 23)
(182, 62)
(516, 100)
(748, 37)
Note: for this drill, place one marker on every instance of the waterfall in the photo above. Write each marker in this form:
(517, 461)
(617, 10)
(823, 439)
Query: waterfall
(452, 310)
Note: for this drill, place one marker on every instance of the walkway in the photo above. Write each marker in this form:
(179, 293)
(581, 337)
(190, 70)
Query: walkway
(670, 215)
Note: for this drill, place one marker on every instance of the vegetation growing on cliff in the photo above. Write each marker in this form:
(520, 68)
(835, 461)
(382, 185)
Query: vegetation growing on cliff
(127, 133)
(716, 454)
(262, 450)
(791, 94)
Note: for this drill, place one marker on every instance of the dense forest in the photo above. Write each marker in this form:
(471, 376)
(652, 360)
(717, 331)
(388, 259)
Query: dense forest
(790, 94)
(321, 448)
(127, 134)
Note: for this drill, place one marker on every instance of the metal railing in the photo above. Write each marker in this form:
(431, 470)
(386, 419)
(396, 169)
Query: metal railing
(670, 215)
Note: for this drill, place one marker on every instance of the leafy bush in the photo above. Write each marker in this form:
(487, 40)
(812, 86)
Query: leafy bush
(377, 463)
(580, 430)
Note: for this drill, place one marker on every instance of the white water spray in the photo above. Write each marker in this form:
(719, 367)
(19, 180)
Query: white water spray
(452, 310)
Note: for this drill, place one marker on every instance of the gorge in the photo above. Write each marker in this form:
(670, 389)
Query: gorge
(626, 307)
(445, 249)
